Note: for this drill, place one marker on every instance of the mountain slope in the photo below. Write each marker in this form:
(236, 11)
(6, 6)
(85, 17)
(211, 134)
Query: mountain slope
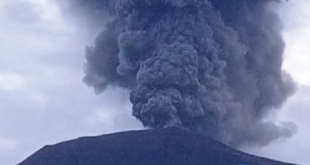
(171, 146)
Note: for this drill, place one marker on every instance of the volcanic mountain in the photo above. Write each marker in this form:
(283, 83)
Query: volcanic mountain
(169, 146)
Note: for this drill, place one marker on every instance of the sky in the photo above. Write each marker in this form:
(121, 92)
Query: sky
(44, 101)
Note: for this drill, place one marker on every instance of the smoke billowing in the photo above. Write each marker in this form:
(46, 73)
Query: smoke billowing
(212, 66)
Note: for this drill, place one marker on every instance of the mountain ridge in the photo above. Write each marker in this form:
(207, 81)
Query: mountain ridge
(167, 146)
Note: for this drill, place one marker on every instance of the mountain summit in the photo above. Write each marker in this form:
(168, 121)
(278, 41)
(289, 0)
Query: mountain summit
(170, 146)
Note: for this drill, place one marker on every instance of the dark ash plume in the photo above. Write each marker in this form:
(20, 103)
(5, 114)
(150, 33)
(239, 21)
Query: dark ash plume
(212, 66)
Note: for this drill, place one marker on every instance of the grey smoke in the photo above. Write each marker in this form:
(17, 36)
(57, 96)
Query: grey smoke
(212, 66)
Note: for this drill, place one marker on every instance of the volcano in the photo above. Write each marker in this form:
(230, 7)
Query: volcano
(168, 146)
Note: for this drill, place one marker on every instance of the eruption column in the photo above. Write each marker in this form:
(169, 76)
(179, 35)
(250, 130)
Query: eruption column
(212, 66)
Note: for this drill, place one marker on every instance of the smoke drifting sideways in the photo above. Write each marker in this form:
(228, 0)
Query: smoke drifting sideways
(210, 66)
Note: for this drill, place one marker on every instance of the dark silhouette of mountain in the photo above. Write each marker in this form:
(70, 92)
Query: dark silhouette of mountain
(170, 146)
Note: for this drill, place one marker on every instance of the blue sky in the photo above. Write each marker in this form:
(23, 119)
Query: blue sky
(44, 101)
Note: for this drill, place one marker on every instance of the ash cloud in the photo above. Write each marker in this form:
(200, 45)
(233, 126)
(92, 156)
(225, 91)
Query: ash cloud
(211, 66)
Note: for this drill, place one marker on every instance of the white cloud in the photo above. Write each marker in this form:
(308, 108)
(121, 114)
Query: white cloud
(7, 145)
(43, 99)
(297, 35)
(11, 81)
